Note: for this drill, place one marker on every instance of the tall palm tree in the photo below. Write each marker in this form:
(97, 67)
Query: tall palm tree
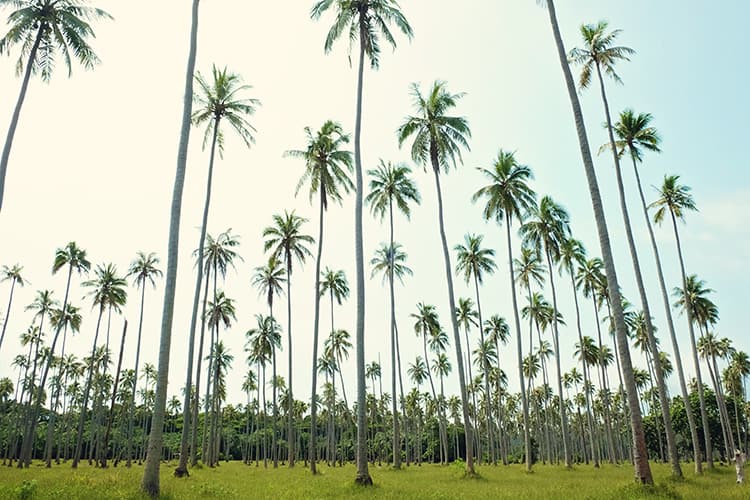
(635, 133)
(437, 140)
(508, 197)
(326, 166)
(389, 184)
(640, 456)
(601, 55)
(74, 258)
(335, 284)
(43, 28)
(109, 292)
(12, 274)
(43, 305)
(286, 241)
(337, 345)
(366, 21)
(143, 270)
(474, 262)
(150, 480)
(546, 229)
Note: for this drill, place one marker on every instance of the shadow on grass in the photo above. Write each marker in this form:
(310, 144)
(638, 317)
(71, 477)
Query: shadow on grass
(642, 491)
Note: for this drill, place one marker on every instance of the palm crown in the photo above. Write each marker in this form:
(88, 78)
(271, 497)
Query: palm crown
(599, 52)
(673, 198)
(634, 132)
(473, 260)
(286, 240)
(390, 184)
(390, 259)
(508, 193)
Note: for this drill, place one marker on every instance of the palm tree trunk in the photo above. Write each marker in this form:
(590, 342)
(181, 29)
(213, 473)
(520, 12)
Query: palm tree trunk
(670, 324)
(474, 444)
(275, 406)
(640, 455)
(394, 407)
(131, 408)
(86, 391)
(313, 445)
(7, 312)
(363, 475)
(401, 392)
(524, 399)
(150, 482)
(674, 458)
(696, 362)
(290, 395)
(603, 371)
(17, 113)
(114, 395)
(468, 434)
(196, 391)
(486, 369)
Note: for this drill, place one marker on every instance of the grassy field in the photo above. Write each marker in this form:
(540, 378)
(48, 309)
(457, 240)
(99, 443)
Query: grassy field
(237, 481)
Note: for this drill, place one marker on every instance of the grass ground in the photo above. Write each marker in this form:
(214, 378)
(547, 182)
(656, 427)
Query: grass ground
(236, 481)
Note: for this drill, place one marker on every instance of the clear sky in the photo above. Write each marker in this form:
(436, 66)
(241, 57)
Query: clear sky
(94, 157)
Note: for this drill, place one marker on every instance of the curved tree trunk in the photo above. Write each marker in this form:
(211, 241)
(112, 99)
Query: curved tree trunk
(150, 482)
(7, 312)
(313, 445)
(290, 395)
(524, 399)
(640, 455)
(670, 324)
(131, 408)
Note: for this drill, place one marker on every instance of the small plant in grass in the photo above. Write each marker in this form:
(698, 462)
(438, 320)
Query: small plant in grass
(26, 490)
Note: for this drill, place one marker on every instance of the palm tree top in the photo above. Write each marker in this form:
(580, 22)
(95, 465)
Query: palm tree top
(363, 20)
(674, 198)
(13, 274)
(548, 227)
(390, 184)
(109, 289)
(61, 26)
(634, 132)
(473, 260)
(335, 283)
(285, 239)
(599, 51)
(73, 256)
(389, 259)
(508, 192)
(143, 268)
(269, 278)
(220, 252)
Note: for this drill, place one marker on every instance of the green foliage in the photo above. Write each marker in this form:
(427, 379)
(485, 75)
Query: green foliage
(26, 490)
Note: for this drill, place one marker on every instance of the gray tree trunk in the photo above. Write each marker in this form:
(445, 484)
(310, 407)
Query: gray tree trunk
(290, 395)
(313, 445)
(131, 409)
(394, 407)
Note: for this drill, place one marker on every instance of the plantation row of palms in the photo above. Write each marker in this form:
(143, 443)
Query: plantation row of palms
(599, 422)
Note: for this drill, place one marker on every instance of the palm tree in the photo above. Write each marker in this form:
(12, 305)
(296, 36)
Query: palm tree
(547, 228)
(261, 342)
(286, 241)
(640, 456)
(437, 141)
(326, 165)
(599, 53)
(150, 480)
(389, 184)
(366, 20)
(50, 26)
(108, 293)
(474, 262)
(335, 284)
(217, 101)
(43, 305)
(635, 133)
(509, 197)
(75, 259)
(12, 274)
(337, 345)
(143, 269)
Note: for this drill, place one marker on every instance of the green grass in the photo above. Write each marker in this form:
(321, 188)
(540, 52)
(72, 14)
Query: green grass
(237, 481)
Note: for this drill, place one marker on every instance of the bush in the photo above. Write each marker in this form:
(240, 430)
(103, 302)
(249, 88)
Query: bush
(26, 490)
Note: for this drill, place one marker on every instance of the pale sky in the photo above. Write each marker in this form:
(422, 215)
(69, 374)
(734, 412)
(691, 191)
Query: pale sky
(94, 157)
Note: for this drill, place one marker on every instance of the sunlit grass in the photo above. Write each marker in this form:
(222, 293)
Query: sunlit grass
(237, 481)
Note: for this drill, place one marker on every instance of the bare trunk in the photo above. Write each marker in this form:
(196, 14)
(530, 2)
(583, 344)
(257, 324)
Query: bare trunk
(313, 445)
(111, 416)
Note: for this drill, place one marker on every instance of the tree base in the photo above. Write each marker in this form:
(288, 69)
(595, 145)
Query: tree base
(470, 474)
(178, 472)
(363, 480)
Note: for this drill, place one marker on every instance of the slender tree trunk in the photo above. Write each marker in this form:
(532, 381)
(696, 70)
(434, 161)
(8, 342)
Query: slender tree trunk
(275, 406)
(640, 456)
(131, 409)
(454, 323)
(313, 446)
(290, 395)
(524, 399)
(486, 370)
(150, 482)
(17, 113)
(603, 374)
(394, 407)
(105, 448)
(670, 324)
(196, 391)
(10, 301)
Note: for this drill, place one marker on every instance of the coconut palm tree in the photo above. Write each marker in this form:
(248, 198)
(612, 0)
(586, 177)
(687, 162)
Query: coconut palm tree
(75, 259)
(43, 28)
(337, 345)
(635, 133)
(326, 166)
(508, 197)
(546, 229)
(143, 269)
(601, 55)
(109, 292)
(474, 262)
(261, 342)
(366, 21)
(640, 456)
(286, 241)
(12, 274)
(150, 480)
(437, 140)
(389, 184)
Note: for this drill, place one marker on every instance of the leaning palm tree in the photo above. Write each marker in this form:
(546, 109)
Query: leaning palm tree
(509, 197)
(367, 21)
(287, 242)
(150, 480)
(391, 184)
(437, 140)
(74, 258)
(43, 28)
(640, 455)
(601, 55)
(218, 100)
(143, 269)
(546, 230)
(326, 166)
(635, 133)
(12, 274)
